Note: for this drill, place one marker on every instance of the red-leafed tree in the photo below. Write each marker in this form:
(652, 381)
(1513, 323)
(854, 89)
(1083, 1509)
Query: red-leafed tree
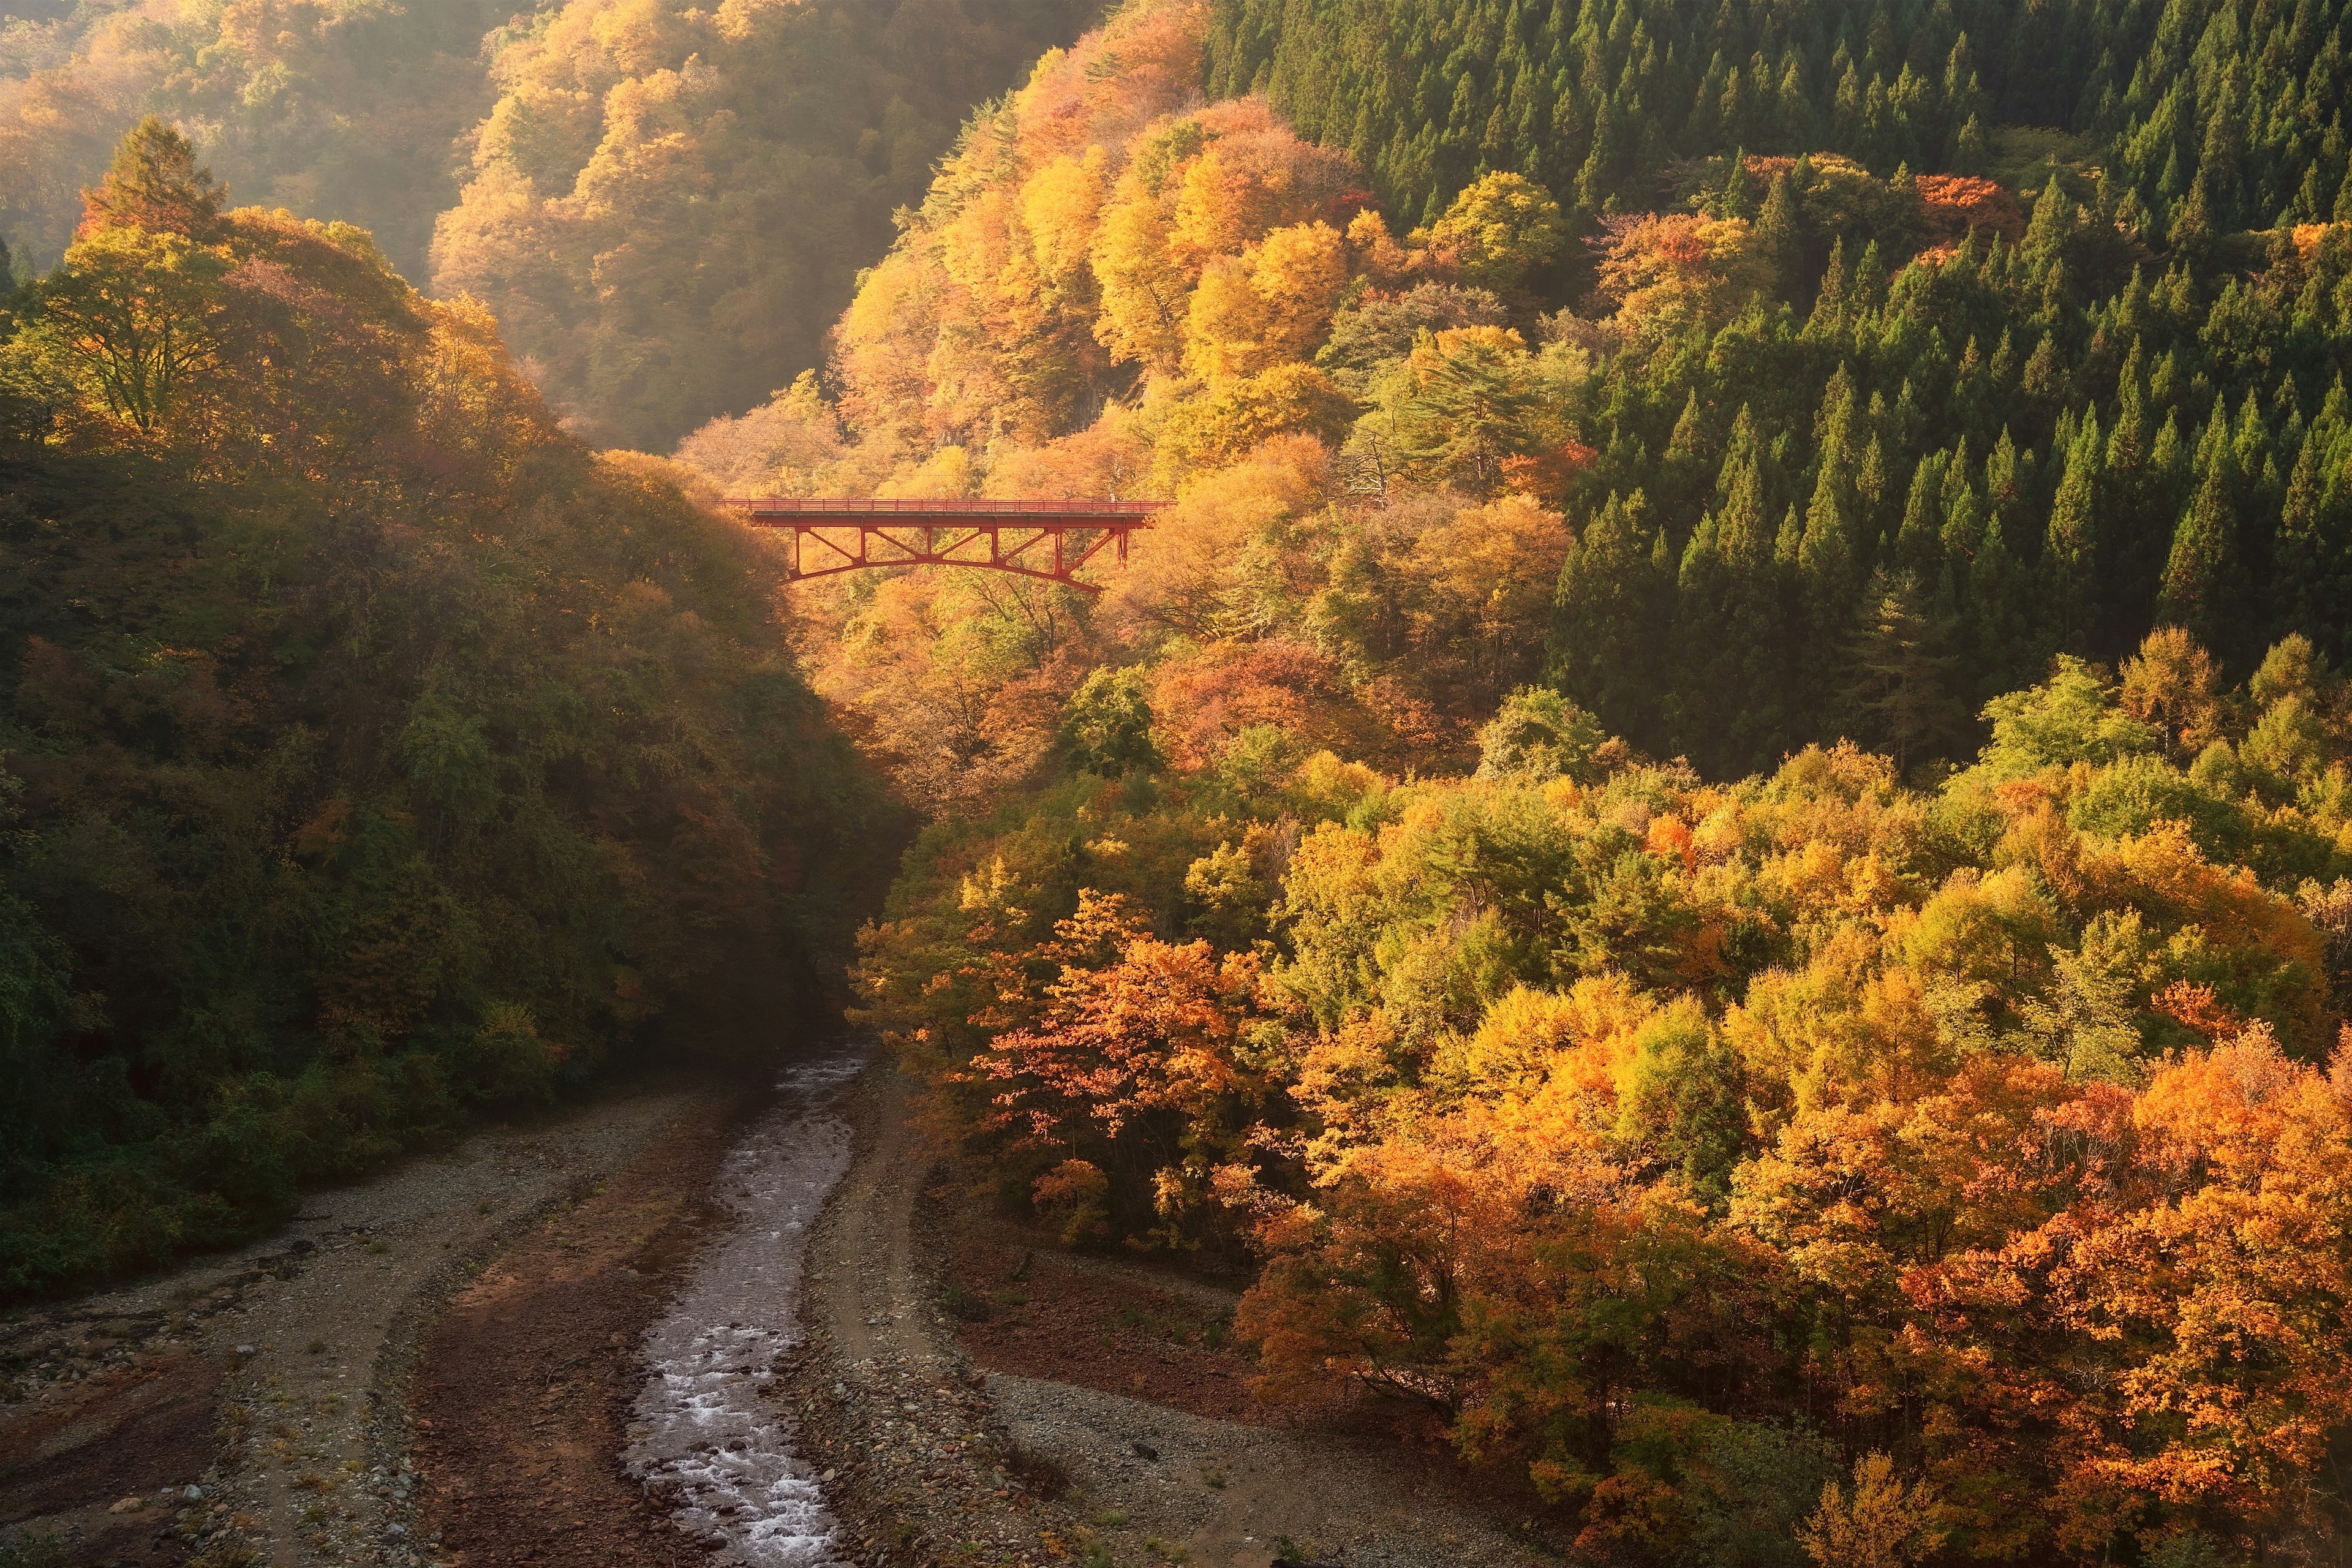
(1138, 1057)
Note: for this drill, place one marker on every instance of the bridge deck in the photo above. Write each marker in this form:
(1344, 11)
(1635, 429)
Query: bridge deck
(798, 511)
(1018, 536)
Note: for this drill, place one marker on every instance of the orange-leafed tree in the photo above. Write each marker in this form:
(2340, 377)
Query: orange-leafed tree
(1956, 205)
(1670, 268)
(1135, 1053)
(2223, 1303)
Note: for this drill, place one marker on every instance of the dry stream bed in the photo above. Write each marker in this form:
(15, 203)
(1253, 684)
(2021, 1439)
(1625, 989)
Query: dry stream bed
(684, 1327)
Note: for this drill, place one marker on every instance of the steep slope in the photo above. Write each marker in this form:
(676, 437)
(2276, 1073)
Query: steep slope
(2226, 110)
(669, 205)
(1803, 445)
(370, 752)
(331, 109)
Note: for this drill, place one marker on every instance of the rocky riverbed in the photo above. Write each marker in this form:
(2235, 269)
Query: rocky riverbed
(682, 1328)
(708, 1441)
(928, 1456)
(249, 1408)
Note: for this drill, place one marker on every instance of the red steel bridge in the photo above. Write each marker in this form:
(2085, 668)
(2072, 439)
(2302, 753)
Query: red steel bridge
(1048, 539)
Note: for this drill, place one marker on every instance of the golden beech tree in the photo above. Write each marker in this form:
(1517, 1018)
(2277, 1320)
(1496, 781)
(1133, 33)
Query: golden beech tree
(1502, 228)
(1491, 571)
(1059, 206)
(1199, 206)
(1665, 270)
(1144, 285)
(135, 318)
(1268, 305)
(1886, 1522)
(1183, 574)
(1254, 174)
(1232, 419)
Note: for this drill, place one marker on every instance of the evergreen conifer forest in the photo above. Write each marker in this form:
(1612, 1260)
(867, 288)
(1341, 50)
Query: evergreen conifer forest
(1712, 847)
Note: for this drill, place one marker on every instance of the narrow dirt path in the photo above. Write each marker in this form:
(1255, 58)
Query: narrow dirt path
(267, 1380)
(878, 1305)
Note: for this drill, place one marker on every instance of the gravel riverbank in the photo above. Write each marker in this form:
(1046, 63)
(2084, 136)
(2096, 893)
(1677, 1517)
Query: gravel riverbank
(895, 1418)
(618, 1338)
(248, 1408)
(929, 1459)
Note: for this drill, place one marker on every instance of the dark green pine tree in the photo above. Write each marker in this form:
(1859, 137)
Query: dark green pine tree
(2191, 236)
(1743, 452)
(1898, 694)
(2123, 496)
(2043, 380)
(2009, 484)
(2052, 225)
(1918, 545)
(1730, 622)
(1736, 198)
(1685, 467)
(1693, 714)
(1608, 619)
(2002, 635)
(1831, 552)
(2071, 613)
(1593, 181)
(2259, 490)
(2141, 510)
(2128, 435)
(1829, 318)
(2313, 557)
(2200, 590)
(1870, 481)
(1962, 527)
(154, 184)
(1778, 240)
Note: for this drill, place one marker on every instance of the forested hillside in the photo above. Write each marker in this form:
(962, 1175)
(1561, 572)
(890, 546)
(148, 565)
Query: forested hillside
(1839, 451)
(668, 205)
(1682, 1148)
(665, 206)
(371, 754)
(2226, 114)
(333, 110)
(1716, 840)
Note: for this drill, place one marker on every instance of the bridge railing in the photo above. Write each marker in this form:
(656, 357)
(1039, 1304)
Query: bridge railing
(777, 506)
(1049, 539)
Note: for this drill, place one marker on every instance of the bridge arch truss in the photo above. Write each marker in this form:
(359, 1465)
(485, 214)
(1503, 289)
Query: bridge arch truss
(1052, 540)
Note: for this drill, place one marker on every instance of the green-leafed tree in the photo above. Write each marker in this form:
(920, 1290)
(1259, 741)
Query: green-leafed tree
(1902, 691)
(1610, 617)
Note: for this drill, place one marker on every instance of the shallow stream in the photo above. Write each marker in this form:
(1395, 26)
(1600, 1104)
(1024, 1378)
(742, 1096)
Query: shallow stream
(704, 1431)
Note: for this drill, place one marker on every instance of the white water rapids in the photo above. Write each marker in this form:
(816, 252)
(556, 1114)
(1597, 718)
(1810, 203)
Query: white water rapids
(703, 1425)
